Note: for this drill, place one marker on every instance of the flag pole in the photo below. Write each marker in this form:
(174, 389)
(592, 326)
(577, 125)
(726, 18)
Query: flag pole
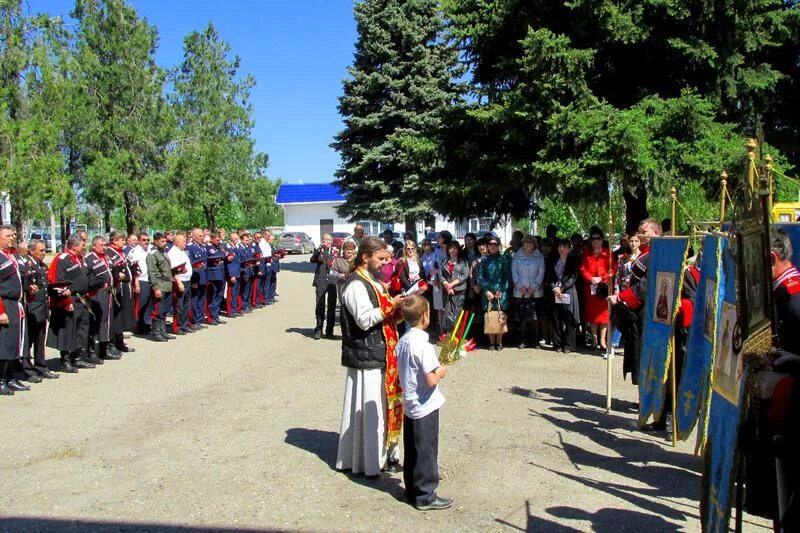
(609, 337)
(723, 197)
(672, 365)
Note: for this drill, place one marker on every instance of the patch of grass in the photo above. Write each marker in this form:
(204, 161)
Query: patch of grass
(67, 453)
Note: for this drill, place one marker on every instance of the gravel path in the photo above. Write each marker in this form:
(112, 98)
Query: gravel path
(236, 427)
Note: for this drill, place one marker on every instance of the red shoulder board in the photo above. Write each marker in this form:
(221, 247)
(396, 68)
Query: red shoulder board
(792, 285)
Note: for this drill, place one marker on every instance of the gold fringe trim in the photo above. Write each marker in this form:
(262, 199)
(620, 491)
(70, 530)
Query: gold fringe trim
(702, 430)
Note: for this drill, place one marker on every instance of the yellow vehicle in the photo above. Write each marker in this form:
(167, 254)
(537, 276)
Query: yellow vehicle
(786, 212)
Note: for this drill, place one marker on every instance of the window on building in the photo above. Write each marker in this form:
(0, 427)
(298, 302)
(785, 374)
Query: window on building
(472, 225)
(371, 227)
(462, 228)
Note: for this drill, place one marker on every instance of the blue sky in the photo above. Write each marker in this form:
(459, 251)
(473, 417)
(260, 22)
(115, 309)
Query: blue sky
(298, 53)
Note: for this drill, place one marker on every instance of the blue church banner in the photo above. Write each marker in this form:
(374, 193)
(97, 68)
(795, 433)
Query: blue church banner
(694, 389)
(664, 283)
(725, 407)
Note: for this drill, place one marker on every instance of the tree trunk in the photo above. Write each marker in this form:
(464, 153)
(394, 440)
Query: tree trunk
(62, 219)
(107, 220)
(131, 211)
(411, 225)
(635, 207)
(16, 221)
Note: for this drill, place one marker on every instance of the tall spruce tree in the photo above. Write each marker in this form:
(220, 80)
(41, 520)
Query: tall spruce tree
(401, 82)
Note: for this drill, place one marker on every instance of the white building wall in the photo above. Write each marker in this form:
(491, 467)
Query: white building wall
(306, 218)
(503, 229)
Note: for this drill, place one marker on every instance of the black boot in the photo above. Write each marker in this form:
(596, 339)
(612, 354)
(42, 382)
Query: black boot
(79, 361)
(119, 343)
(109, 351)
(5, 390)
(17, 385)
(33, 377)
(155, 333)
(66, 364)
(93, 353)
(93, 356)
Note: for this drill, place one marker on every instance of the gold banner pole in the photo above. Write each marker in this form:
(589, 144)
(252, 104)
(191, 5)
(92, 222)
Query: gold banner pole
(672, 365)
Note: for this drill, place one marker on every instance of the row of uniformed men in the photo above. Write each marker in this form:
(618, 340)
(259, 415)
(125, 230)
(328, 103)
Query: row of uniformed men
(94, 297)
(236, 275)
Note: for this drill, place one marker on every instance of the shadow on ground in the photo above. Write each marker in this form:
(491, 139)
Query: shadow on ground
(668, 474)
(305, 332)
(298, 266)
(51, 525)
(602, 521)
(324, 444)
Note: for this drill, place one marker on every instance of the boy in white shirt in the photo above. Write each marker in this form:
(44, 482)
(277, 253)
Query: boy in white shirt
(420, 373)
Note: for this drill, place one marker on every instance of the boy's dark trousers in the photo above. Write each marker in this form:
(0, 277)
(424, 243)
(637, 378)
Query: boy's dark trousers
(421, 458)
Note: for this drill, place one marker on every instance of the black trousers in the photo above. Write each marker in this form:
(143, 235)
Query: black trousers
(183, 302)
(630, 324)
(563, 327)
(329, 290)
(421, 458)
(37, 333)
(82, 319)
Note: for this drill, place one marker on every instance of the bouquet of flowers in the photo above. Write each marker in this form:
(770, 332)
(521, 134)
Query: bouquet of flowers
(456, 346)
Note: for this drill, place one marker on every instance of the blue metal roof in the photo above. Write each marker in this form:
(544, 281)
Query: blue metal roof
(303, 193)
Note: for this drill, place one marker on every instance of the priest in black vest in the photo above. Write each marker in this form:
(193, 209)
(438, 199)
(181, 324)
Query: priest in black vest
(372, 414)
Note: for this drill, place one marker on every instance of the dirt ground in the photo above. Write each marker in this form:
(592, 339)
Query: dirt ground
(236, 427)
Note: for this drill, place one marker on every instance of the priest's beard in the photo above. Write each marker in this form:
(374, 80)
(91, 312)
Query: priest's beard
(377, 273)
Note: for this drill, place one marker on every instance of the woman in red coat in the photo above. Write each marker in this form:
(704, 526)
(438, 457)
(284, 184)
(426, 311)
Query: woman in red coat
(594, 270)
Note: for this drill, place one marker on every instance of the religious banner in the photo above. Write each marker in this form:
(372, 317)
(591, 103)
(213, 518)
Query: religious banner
(694, 388)
(726, 373)
(664, 282)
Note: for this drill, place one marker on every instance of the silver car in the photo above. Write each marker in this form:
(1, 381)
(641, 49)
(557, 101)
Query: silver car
(296, 242)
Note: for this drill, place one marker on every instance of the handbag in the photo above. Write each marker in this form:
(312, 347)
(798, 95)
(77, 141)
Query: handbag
(495, 321)
(601, 291)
